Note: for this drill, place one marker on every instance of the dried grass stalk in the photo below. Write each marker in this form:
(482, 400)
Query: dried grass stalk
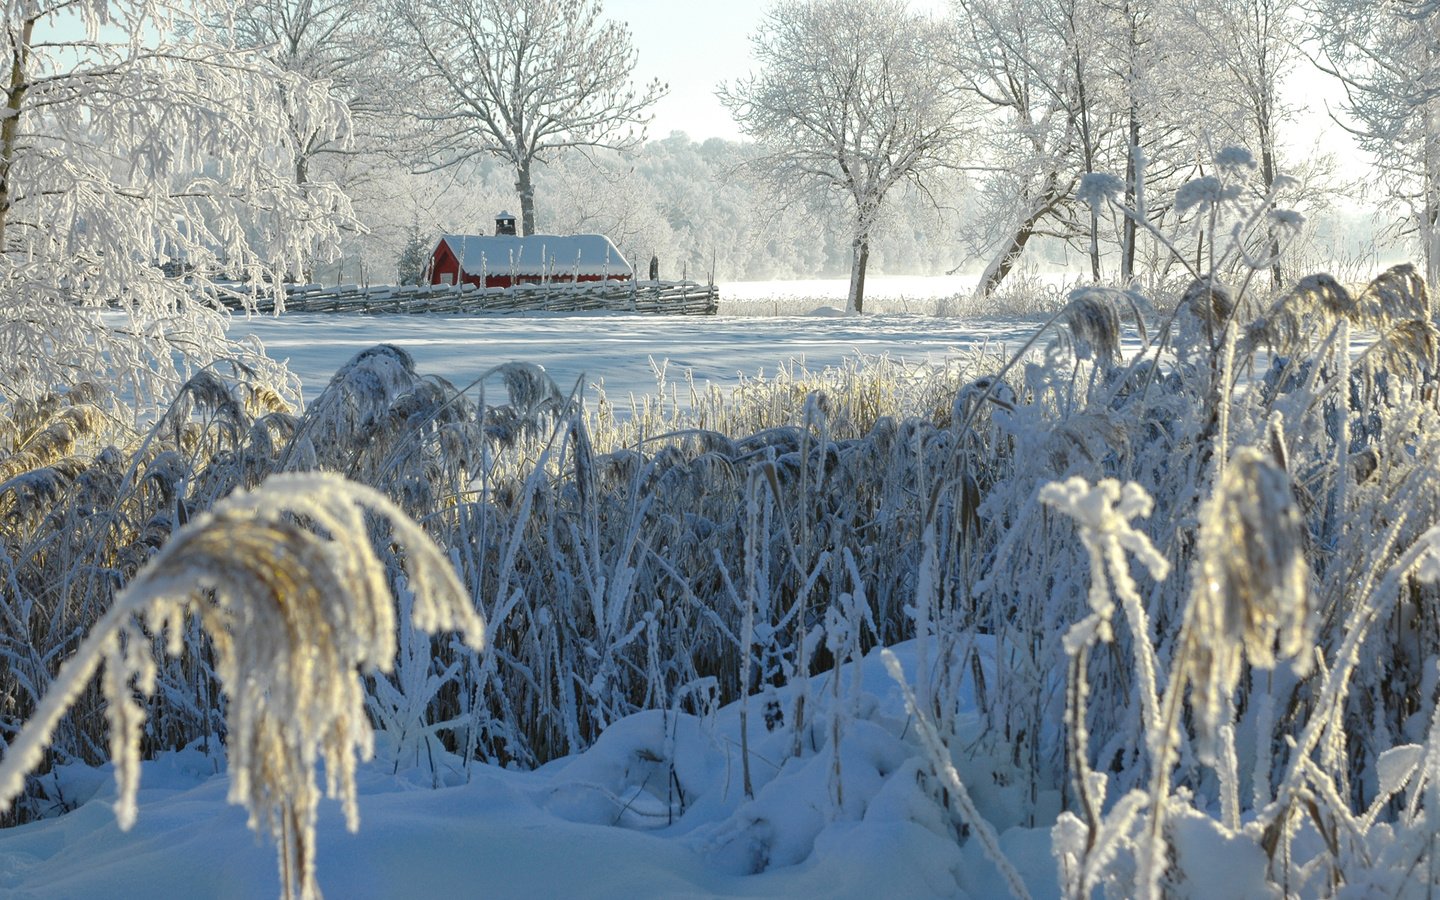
(1251, 593)
(296, 603)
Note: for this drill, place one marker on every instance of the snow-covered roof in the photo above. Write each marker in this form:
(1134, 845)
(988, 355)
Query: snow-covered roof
(538, 254)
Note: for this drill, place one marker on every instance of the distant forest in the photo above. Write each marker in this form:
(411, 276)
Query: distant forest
(687, 203)
(691, 205)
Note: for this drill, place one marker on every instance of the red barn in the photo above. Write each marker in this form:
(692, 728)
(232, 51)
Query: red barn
(504, 260)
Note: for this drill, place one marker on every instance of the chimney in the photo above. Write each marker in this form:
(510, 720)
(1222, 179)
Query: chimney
(504, 223)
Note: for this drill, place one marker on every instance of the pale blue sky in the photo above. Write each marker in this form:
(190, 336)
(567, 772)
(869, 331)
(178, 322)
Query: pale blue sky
(691, 45)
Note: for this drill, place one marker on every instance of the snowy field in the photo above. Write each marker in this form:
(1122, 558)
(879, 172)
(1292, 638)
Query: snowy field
(624, 353)
(627, 354)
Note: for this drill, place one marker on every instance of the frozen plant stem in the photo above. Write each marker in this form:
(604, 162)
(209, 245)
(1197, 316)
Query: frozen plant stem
(1103, 513)
(747, 639)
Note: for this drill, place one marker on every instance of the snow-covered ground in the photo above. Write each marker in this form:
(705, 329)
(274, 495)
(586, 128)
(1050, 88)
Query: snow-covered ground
(618, 351)
(616, 821)
(625, 352)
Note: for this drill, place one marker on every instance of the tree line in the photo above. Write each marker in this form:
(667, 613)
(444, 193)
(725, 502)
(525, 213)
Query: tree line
(972, 130)
(1044, 102)
(275, 131)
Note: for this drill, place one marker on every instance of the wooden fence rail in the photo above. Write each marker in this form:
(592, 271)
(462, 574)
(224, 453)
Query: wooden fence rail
(674, 298)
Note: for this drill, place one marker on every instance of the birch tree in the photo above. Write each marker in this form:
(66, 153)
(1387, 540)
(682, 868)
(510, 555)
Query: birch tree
(134, 144)
(851, 98)
(523, 80)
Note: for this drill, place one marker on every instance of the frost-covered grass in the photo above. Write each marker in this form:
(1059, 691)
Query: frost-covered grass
(1160, 605)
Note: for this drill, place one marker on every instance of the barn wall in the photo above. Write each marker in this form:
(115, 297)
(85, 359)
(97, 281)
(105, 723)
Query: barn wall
(443, 263)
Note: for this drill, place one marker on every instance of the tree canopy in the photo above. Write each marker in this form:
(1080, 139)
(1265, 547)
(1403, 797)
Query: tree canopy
(851, 98)
(138, 162)
(523, 82)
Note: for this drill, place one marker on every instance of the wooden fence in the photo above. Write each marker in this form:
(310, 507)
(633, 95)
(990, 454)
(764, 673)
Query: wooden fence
(673, 298)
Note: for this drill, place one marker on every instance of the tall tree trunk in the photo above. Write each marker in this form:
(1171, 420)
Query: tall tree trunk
(1265, 121)
(1095, 245)
(10, 130)
(1430, 215)
(1003, 262)
(306, 275)
(526, 189)
(1432, 247)
(1430, 209)
(1134, 198)
(1134, 159)
(860, 258)
(1267, 171)
(1087, 143)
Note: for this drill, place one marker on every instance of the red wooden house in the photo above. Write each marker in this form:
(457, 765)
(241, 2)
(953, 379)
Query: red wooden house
(505, 260)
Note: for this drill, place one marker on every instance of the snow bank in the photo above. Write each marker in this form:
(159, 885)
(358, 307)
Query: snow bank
(656, 808)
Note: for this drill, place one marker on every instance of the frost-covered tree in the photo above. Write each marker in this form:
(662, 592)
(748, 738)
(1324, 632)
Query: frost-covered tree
(851, 98)
(344, 45)
(339, 42)
(1246, 47)
(414, 257)
(523, 81)
(140, 156)
(1031, 65)
(1135, 89)
(1152, 149)
(1387, 56)
(608, 195)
